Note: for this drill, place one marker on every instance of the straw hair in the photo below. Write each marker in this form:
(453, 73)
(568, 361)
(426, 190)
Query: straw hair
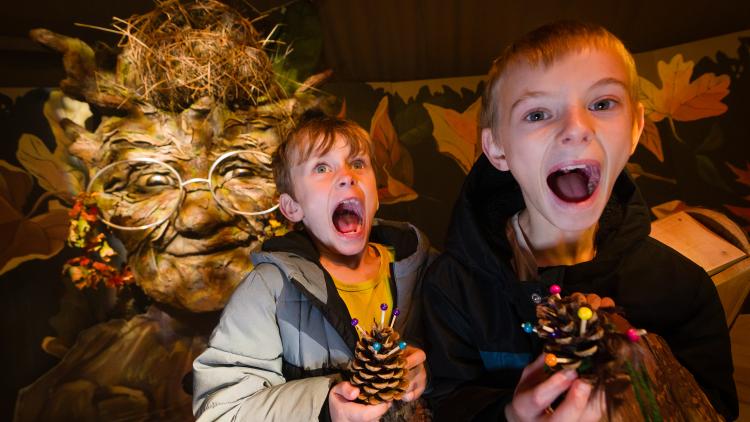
(316, 133)
(542, 47)
(179, 53)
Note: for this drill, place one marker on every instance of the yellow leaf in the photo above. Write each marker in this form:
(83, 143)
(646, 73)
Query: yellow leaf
(651, 140)
(40, 237)
(679, 98)
(53, 175)
(395, 192)
(393, 165)
(456, 133)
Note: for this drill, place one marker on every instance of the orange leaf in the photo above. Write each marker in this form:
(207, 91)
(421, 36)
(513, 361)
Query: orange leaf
(393, 166)
(40, 237)
(651, 140)
(742, 175)
(395, 191)
(741, 212)
(682, 100)
(456, 133)
(15, 185)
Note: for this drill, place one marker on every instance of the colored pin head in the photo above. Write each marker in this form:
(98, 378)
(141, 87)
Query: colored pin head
(555, 289)
(550, 360)
(633, 335)
(402, 345)
(396, 313)
(383, 307)
(377, 346)
(527, 327)
(355, 324)
(585, 314)
(355, 321)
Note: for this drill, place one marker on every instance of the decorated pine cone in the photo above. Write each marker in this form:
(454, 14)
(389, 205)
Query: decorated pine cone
(379, 368)
(573, 332)
(595, 344)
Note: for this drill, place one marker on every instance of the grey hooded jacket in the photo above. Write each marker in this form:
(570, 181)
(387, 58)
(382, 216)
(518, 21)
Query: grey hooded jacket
(285, 334)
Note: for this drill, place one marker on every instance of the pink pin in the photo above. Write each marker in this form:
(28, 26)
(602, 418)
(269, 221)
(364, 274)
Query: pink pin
(633, 335)
(555, 290)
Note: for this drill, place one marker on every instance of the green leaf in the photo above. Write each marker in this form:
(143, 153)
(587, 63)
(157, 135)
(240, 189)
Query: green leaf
(708, 173)
(713, 141)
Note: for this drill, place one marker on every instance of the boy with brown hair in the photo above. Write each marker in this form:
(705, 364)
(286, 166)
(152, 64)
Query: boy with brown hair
(286, 334)
(549, 203)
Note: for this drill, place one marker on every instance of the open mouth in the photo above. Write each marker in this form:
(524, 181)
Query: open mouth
(574, 183)
(347, 217)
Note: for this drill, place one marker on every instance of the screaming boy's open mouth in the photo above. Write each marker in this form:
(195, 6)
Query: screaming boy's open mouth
(347, 217)
(574, 183)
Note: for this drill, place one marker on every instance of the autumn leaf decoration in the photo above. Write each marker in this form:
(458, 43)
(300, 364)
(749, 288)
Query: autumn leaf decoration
(393, 165)
(680, 99)
(456, 133)
(32, 235)
(88, 233)
(743, 178)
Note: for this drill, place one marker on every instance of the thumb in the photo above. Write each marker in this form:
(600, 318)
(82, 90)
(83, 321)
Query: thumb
(346, 390)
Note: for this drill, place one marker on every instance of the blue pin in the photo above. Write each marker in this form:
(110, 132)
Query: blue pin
(377, 346)
(402, 345)
(527, 327)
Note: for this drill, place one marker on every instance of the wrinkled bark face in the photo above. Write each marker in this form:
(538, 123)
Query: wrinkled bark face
(196, 257)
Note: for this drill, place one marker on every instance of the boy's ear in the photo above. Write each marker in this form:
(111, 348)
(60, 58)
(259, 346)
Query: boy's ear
(290, 208)
(493, 150)
(640, 122)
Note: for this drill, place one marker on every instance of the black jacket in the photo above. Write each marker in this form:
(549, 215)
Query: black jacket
(474, 304)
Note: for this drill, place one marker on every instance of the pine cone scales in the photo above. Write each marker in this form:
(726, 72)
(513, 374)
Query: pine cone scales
(379, 372)
(559, 324)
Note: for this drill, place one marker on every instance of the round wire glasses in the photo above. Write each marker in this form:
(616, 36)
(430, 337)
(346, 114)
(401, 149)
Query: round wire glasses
(141, 193)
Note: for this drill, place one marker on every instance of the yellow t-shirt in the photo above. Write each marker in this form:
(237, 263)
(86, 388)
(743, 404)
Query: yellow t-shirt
(363, 299)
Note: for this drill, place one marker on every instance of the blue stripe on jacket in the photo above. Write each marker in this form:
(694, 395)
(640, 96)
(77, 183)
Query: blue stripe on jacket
(504, 360)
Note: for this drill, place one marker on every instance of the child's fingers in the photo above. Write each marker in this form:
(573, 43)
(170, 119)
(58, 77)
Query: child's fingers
(346, 390)
(373, 412)
(607, 302)
(575, 404)
(414, 356)
(417, 382)
(593, 300)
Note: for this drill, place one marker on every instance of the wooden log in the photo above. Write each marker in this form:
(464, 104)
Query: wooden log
(677, 394)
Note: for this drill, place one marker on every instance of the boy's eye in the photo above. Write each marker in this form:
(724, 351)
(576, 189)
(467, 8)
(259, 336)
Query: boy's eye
(320, 168)
(536, 116)
(603, 105)
(358, 164)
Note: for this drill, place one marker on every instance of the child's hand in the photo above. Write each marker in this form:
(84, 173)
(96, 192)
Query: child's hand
(343, 408)
(417, 375)
(595, 301)
(534, 395)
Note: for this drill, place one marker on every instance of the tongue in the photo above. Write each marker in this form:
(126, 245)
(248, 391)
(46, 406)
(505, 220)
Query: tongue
(571, 187)
(346, 222)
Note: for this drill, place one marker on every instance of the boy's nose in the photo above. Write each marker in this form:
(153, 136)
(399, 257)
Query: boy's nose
(346, 179)
(578, 126)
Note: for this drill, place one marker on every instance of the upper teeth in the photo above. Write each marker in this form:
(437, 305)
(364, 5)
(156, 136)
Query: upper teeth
(573, 167)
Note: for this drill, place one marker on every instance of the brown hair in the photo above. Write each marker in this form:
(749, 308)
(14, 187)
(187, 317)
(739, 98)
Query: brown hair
(543, 46)
(317, 133)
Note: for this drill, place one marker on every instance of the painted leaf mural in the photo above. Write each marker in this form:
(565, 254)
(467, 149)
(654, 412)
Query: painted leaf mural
(394, 167)
(52, 173)
(456, 133)
(24, 238)
(651, 140)
(679, 98)
(743, 176)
